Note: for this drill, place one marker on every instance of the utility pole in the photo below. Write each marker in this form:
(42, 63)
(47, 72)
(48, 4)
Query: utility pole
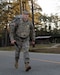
(23, 5)
(32, 12)
(20, 6)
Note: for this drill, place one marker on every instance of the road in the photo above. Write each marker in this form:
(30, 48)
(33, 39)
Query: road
(42, 64)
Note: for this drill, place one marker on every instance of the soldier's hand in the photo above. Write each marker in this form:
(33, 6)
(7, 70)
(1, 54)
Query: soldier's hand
(33, 43)
(12, 42)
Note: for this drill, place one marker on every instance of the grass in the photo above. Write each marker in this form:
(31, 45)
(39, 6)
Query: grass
(45, 48)
(9, 48)
(53, 50)
(42, 48)
(37, 46)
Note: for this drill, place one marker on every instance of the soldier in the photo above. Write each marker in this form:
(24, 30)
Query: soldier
(21, 29)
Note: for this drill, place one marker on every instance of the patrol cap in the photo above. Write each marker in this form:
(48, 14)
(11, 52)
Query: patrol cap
(25, 12)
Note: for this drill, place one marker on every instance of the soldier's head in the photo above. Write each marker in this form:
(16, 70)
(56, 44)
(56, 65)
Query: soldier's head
(25, 15)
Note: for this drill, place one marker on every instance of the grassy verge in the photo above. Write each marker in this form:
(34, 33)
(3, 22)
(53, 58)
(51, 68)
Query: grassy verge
(40, 48)
(9, 48)
(45, 48)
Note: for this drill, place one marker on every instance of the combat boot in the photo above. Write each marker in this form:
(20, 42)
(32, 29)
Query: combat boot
(27, 67)
(16, 64)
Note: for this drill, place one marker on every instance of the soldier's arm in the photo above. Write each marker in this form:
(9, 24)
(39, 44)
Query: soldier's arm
(32, 35)
(12, 28)
(32, 32)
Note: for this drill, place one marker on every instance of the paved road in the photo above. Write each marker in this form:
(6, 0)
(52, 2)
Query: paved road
(42, 64)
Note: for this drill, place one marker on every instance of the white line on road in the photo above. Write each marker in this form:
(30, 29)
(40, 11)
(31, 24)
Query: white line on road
(55, 62)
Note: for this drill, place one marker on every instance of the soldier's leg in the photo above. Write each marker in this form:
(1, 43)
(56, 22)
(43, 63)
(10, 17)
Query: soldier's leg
(17, 54)
(25, 48)
(26, 54)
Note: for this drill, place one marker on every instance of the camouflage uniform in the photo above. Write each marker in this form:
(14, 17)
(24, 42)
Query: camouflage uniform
(21, 31)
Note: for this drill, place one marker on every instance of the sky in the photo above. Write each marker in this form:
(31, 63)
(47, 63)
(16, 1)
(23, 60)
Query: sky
(49, 6)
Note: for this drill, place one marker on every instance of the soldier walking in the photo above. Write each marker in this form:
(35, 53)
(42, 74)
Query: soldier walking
(21, 30)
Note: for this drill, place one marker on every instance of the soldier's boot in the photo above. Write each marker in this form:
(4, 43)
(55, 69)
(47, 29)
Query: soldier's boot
(27, 67)
(16, 64)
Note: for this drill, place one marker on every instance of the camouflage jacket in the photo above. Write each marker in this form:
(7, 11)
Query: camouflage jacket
(21, 28)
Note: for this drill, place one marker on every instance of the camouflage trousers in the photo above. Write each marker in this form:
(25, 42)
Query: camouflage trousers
(23, 44)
